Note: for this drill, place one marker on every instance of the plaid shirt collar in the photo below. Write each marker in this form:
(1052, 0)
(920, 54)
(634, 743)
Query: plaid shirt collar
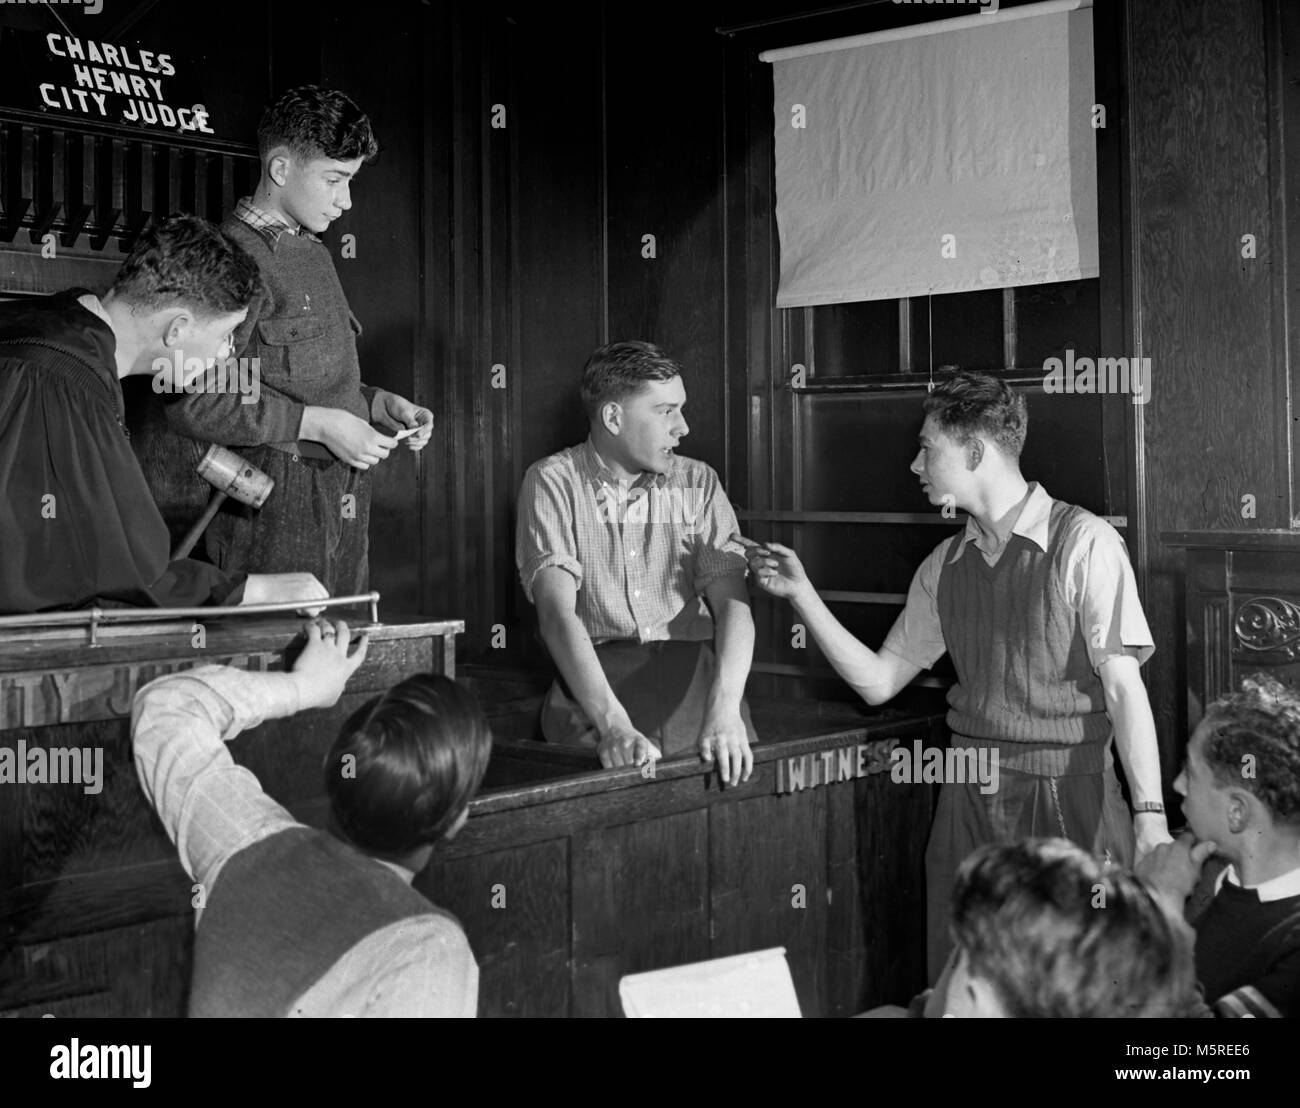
(597, 471)
(269, 226)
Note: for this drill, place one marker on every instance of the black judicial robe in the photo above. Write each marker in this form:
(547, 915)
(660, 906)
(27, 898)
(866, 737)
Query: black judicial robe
(77, 522)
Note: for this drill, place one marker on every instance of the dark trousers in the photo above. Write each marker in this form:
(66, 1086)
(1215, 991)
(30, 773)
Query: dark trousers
(316, 520)
(1086, 808)
(664, 687)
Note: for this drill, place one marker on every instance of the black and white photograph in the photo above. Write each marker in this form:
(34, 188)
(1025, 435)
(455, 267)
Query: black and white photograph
(784, 509)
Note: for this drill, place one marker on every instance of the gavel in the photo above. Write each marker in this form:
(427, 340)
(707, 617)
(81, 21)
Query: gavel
(231, 476)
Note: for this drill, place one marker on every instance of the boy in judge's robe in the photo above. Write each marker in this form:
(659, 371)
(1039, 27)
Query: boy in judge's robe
(1241, 790)
(311, 429)
(77, 522)
(623, 546)
(294, 921)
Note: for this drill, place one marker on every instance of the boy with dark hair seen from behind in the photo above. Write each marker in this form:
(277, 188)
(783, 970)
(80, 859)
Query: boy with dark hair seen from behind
(316, 429)
(1043, 930)
(295, 921)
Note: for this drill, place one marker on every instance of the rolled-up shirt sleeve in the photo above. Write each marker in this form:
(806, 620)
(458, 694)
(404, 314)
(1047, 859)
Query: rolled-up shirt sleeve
(1106, 596)
(544, 535)
(210, 807)
(917, 634)
(716, 556)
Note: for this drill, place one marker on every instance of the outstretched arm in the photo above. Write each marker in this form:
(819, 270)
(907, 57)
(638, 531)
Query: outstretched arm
(876, 676)
(210, 807)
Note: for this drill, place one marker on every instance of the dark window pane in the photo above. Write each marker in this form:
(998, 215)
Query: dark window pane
(1053, 318)
(967, 330)
(855, 339)
(857, 450)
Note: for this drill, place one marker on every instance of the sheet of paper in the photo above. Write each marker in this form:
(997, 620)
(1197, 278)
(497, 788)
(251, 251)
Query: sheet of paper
(754, 986)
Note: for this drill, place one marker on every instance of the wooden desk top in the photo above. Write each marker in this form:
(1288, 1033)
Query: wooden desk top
(542, 777)
(786, 729)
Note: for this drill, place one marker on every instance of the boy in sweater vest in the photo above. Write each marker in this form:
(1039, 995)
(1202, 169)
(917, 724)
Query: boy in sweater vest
(294, 921)
(311, 429)
(1241, 796)
(1036, 603)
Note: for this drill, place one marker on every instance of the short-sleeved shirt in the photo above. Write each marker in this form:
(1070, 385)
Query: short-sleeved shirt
(642, 554)
(1099, 585)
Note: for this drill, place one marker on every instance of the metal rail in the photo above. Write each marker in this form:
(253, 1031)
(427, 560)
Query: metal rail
(95, 618)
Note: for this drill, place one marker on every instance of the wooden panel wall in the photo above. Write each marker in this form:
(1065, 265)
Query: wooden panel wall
(382, 281)
(1204, 100)
(482, 290)
(663, 161)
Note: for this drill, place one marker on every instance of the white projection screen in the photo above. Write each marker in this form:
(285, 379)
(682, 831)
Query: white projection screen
(980, 128)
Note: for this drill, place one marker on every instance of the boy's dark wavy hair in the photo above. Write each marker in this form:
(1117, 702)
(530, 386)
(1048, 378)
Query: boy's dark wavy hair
(184, 261)
(970, 404)
(619, 370)
(1261, 720)
(1056, 935)
(315, 122)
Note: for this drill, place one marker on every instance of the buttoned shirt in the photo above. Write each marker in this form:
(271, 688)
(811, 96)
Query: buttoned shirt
(212, 809)
(1098, 583)
(642, 553)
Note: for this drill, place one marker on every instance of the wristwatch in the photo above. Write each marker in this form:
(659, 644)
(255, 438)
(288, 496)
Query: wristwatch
(1149, 806)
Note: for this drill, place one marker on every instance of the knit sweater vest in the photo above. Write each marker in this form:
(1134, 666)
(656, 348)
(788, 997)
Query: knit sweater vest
(302, 330)
(1243, 941)
(1023, 673)
(281, 913)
